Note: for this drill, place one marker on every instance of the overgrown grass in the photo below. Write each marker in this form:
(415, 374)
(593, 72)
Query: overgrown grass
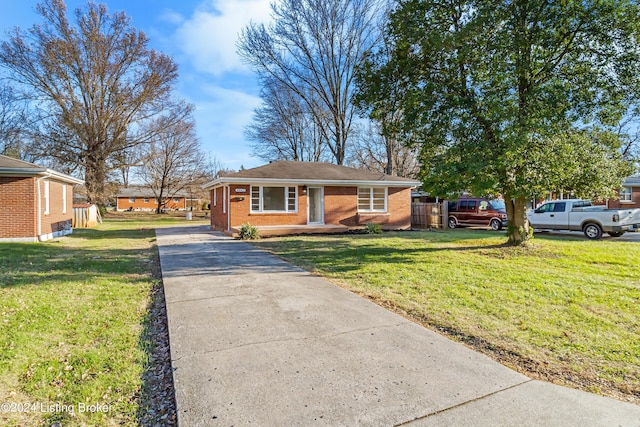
(73, 313)
(564, 310)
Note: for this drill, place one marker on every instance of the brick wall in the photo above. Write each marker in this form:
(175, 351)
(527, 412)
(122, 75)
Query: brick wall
(140, 204)
(218, 217)
(59, 216)
(19, 207)
(340, 208)
(635, 200)
(18, 211)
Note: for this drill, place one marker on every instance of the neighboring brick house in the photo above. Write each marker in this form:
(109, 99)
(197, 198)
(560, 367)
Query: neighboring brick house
(35, 202)
(628, 195)
(140, 198)
(287, 197)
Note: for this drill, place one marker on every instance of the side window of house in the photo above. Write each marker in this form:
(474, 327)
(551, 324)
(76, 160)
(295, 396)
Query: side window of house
(626, 194)
(132, 199)
(64, 198)
(273, 199)
(372, 199)
(46, 197)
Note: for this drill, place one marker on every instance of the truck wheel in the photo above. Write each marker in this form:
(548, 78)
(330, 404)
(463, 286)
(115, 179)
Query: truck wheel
(616, 233)
(452, 222)
(495, 225)
(592, 231)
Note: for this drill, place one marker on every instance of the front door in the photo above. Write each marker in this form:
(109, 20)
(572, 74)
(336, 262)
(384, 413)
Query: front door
(315, 205)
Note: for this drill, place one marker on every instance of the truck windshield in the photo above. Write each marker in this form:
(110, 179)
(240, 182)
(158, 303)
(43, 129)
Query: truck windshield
(498, 205)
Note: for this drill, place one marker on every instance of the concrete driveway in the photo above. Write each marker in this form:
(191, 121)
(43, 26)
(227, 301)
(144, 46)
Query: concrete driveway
(257, 341)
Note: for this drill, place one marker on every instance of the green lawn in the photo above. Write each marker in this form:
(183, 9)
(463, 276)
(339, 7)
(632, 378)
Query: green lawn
(74, 324)
(566, 310)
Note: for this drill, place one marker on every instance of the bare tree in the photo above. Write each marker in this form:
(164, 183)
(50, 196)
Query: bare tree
(12, 123)
(375, 151)
(313, 48)
(173, 161)
(283, 128)
(97, 83)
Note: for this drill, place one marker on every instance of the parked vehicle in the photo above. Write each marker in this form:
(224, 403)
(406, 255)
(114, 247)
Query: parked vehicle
(479, 212)
(581, 215)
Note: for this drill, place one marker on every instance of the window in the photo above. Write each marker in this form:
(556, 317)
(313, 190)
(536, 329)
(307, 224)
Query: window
(146, 200)
(626, 194)
(176, 200)
(559, 207)
(468, 205)
(274, 199)
(372, 199)
(64, 198)
(132, 199)
(46, 197)
(215, 197)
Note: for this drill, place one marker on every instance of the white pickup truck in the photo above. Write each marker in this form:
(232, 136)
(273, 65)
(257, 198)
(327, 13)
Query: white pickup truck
(580, 215)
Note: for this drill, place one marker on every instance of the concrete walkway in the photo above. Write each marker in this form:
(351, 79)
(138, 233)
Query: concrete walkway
(256, 341)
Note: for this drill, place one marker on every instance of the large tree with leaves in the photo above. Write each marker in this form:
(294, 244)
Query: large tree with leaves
(96, 84)
(493, 90)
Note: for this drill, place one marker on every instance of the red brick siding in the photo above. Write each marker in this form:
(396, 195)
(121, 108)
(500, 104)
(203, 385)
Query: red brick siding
(218, 218)
(340, 208)
(124, 203)
(241, 210)
(18, 209)
(635, 200)
(55, 220)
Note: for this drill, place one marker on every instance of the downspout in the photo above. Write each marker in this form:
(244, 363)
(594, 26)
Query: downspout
(39, 232)
(39, 238)
(228, 194)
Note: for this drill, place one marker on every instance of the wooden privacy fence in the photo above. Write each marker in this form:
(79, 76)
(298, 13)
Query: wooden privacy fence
(85, 216)
(429, 215)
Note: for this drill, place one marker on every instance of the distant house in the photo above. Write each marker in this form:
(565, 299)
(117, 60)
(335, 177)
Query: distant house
(140, 198)
(628, 195)
(35, 202)
(289, 197)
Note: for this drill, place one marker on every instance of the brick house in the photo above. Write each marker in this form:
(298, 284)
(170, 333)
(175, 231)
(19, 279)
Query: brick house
(628, 195)
(287, 197)
(140, 198)
(35, 202)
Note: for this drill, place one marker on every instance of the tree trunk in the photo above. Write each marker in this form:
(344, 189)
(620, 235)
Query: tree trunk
(95, 177)
(518, 230)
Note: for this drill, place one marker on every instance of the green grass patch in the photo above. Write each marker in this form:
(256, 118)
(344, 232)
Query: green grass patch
(73, 315)
(564, 309)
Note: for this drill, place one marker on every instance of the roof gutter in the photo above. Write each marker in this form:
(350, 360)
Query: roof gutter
(42, 172)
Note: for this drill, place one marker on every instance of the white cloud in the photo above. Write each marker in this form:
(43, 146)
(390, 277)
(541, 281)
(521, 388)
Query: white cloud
(222, 115)
(208, 37)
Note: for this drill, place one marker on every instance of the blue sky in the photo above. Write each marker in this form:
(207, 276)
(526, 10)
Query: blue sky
(200, 35)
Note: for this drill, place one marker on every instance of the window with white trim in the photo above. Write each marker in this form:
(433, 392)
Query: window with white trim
(64, 198)
(372, 199)
(215, 197)
(46, 197)
(626, 194)
(146, 200)
(132, 199)
(274, 199)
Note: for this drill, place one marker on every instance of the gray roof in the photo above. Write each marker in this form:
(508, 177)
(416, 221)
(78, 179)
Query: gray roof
(311, 172)
(632, 181)
(11, 163)
(15, 167)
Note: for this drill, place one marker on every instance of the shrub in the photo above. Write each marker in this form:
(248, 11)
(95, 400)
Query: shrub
(374, 228)
(248, 232)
